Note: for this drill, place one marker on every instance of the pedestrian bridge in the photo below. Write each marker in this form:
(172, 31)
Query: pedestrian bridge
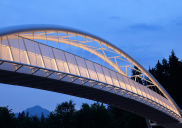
(73, 62)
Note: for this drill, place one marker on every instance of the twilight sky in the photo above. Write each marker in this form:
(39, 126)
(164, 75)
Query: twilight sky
(147, 30)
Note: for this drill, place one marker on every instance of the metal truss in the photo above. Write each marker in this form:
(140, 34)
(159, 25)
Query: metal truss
(35, 49)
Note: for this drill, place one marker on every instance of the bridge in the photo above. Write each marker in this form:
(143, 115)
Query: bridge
(70, 61)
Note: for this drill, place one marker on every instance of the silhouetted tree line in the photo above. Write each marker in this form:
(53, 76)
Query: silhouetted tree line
(97, 115)
(169, 74)
(65, 115)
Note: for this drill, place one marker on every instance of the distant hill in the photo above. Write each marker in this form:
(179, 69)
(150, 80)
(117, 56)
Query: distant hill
(36, 110)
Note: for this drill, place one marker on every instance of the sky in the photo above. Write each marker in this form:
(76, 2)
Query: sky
(147, 30)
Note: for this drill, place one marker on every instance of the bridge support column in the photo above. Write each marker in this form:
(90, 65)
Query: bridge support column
(148, 123)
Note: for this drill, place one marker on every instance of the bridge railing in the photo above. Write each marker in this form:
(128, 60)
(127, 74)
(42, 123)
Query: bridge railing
(33, 53)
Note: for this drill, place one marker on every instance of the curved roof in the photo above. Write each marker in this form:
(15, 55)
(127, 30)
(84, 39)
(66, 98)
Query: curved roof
(44, 27)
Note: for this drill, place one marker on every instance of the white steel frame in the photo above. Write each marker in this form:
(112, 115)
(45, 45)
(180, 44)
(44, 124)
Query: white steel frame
(113, 56)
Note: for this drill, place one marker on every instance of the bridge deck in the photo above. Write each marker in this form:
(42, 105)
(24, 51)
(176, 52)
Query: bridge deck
(31, 53)
(92, 93)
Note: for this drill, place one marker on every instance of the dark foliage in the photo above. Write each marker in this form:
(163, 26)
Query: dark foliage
(95, 115)
(169, 74)
(7, 119)
(124, 119)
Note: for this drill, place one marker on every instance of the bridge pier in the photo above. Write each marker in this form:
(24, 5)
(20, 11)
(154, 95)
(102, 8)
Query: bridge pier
(148, 123)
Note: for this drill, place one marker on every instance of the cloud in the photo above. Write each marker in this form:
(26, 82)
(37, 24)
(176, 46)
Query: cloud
(146, 27)
(139, 27)
(177, 22)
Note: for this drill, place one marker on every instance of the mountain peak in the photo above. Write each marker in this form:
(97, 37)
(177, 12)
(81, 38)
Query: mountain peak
(36, 110)
(36, 106)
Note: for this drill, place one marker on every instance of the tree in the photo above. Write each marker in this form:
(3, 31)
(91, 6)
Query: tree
(53, 121)
(65, 113)
(169, 75)
(27, 121)
(125, 119)
(7, 118)
(94, 116)
(42, 118)
(35, 122)
(83, 117)
(102, 119)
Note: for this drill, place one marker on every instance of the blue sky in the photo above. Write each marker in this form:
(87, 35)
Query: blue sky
(147, 30)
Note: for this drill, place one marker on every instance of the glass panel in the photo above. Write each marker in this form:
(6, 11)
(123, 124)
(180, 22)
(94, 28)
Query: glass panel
(142, 90)
(155, 96)
(14, 44)
(38, 54)
(1, 48)
(72, 63)
(132, 85)
(29, 44)
(6, 53)
(46, 56)
(168, 104)
(121, 81)
(52, 59)
(173, 109)
(47, 62)
(114, 78)
(146, 92)
(107, 76)
(128, 87)
(163, 101)
(151, 94)
(137, 87)
(23, 53)
(160, 98)
(61, 60)
(82, 67)
(91, 70)
(99, 72)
